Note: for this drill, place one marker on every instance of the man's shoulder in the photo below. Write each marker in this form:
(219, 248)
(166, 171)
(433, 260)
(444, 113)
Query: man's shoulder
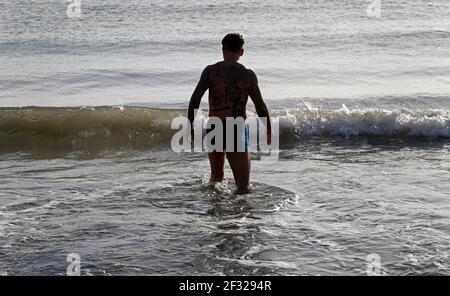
(252, 75)
(251, 72)
(213, 67)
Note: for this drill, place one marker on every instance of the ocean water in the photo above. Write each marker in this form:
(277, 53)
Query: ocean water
(85, 159)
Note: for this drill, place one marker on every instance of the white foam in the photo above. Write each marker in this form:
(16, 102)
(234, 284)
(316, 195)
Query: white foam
(310, 121)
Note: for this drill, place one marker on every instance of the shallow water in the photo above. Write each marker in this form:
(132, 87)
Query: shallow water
(329, 204)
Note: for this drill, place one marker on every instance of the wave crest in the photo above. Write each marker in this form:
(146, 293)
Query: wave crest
(310, 121)
(89, 127)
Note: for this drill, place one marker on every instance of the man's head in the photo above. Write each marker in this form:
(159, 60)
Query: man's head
(232, 47)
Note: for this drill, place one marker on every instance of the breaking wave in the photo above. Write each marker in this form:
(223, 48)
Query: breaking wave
(106, 126)
(346, 122)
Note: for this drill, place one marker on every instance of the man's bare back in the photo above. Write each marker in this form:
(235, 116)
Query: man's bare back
(230, 84)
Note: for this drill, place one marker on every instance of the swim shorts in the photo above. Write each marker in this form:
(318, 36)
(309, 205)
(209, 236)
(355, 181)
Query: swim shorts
(239, 138)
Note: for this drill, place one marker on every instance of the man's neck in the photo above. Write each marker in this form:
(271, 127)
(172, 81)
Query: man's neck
(230, 61)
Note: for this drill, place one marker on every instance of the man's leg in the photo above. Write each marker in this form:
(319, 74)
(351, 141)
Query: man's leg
(216, 161)
(240, 165)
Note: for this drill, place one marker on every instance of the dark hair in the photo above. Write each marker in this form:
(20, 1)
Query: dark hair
(233, 42)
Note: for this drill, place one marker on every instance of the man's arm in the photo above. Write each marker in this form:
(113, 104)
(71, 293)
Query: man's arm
(260, 106)
(196, 97)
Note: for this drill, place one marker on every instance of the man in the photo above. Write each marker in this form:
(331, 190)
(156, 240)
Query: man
(230, 84)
